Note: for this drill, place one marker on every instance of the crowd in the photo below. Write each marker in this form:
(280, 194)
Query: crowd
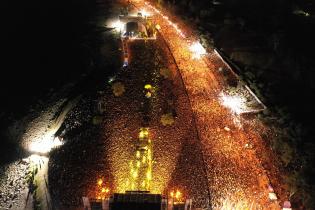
(236, 173)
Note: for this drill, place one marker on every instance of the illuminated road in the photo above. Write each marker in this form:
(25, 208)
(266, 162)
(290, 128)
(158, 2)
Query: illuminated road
(177, 157)
(235, 174)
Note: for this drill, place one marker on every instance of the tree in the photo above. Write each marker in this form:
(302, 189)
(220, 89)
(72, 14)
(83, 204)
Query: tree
(118, 88)
(287, 154)
(167, 119)
(166, 73)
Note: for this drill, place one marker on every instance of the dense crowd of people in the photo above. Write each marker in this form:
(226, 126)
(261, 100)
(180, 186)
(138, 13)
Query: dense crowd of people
(203, 153)
(234, 171)
(105, 150)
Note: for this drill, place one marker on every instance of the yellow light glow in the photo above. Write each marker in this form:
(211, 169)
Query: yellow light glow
(105, 190)
(158, 27)
(148, 86)
(138, 154)
(149, 175)
(178, 194)
(141, 165)
(99, 182)
(135, 174)
(143, 133)
(148, 95)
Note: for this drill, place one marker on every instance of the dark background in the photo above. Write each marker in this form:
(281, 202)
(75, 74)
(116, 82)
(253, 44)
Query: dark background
(42, 47)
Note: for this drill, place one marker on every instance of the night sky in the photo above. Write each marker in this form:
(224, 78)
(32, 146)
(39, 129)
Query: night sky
(41, 48)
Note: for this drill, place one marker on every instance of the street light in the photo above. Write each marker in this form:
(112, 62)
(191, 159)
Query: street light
(197, 49)
(45, 144)
(235, 103)
(118, 25)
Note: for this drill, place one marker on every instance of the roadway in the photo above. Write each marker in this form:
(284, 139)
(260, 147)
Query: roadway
(235, 174)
